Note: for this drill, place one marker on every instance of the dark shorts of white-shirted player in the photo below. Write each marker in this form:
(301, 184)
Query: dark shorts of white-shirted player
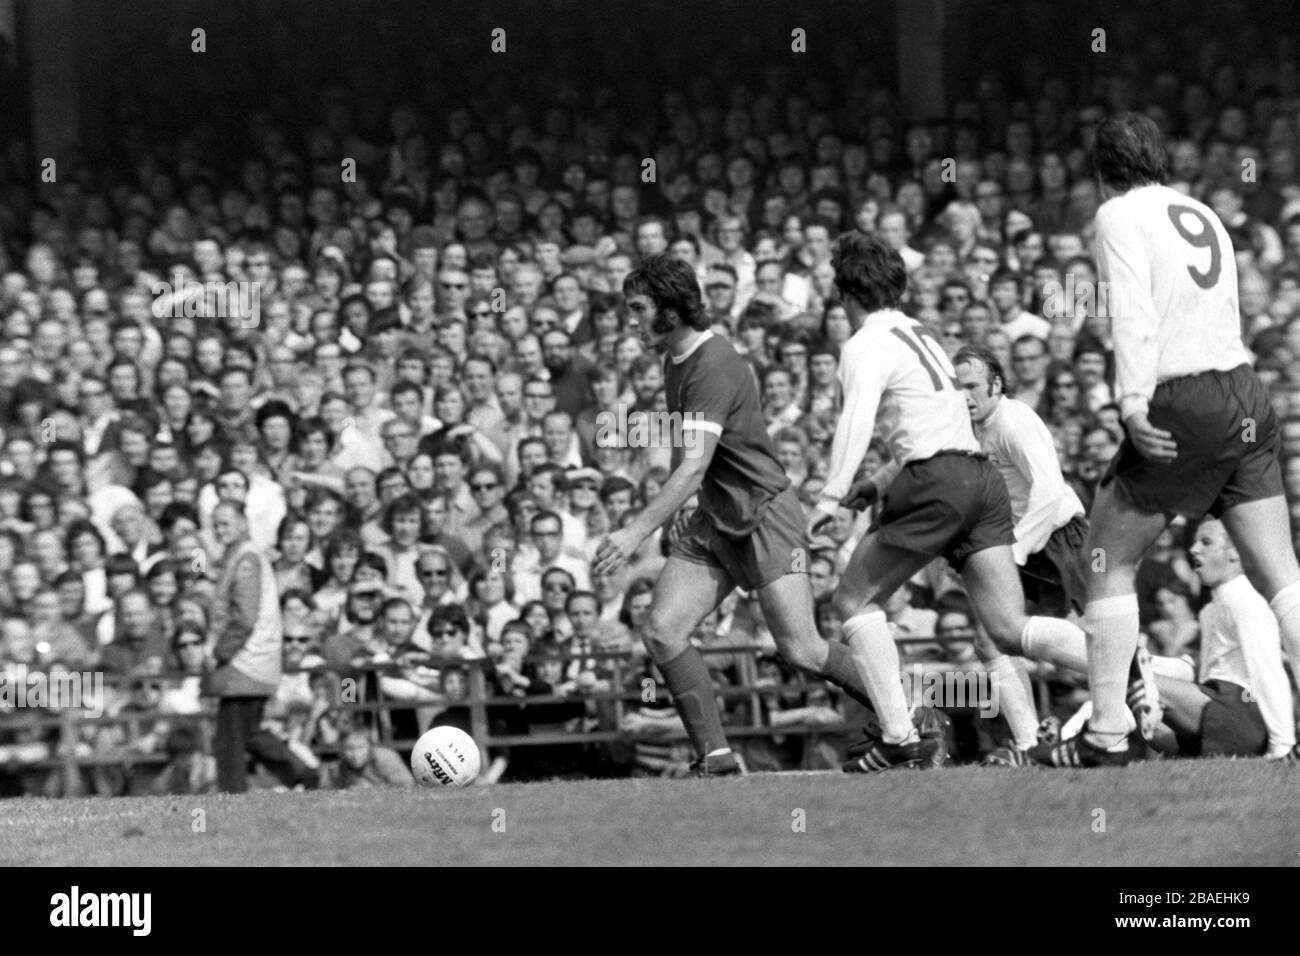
(1227, 437)
(952, 504)
(1055, 578)
(1231, 724)
(767, 554)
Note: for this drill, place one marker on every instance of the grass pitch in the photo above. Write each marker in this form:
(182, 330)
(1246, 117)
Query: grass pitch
(1169, 813)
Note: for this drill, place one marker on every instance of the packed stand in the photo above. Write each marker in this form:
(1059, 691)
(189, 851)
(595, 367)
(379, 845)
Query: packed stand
(420, 384)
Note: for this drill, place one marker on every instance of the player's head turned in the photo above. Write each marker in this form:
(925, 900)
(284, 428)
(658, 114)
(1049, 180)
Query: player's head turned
(1214, 557)
(673, 291)
(981, 377)
(1128, 150)
(869, 270)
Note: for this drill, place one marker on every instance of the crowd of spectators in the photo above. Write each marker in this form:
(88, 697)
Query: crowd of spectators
(400, 351)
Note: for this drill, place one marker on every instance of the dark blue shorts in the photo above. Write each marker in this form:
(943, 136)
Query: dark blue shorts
(775, 548)
(1055, 579)
(953, 505)
(1231, 724)
(1228, 443)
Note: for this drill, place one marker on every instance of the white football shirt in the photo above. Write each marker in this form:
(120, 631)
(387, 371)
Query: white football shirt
(1019, 444)
(1240, 643)
(895, 373)
(1171, 277)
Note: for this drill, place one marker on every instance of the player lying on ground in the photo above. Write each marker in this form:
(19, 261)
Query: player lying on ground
(1202, 435)
(748, 529)
(1241, 705)
(943, 497)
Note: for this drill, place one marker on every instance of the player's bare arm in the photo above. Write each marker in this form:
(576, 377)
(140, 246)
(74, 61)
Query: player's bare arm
(681, 485)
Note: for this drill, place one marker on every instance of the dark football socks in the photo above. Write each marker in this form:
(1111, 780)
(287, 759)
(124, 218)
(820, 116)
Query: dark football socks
(688, 679)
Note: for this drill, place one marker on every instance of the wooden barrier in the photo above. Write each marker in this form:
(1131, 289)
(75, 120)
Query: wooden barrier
(69, 723)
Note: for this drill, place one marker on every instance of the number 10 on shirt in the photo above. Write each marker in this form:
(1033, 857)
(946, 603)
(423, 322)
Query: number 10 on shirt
(932, 356)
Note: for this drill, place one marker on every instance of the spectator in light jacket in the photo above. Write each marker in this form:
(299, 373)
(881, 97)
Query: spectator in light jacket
(246, 631)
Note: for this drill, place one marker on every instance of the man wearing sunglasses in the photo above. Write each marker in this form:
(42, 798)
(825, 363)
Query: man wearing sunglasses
(435, 571)
(487, 487)
(452, 292)
(547, 532)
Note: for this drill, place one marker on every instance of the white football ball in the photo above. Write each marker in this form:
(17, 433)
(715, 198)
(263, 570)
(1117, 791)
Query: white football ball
(445, 757)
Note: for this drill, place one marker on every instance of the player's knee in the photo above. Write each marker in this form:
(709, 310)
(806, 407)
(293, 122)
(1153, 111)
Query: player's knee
(985, 647)
(1005, 642)
(802, 653)
(659, 639)
(1003, 629)
(850, 605)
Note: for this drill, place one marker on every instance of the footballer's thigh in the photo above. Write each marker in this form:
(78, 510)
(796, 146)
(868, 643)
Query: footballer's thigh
(992, 582)
(1183, 703)
(1119, 534)
(685, 592)
(1261, 533)
(875, 571)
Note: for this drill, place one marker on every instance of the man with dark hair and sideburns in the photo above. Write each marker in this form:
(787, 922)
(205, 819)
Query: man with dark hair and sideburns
(1201, 433)
(748, 529)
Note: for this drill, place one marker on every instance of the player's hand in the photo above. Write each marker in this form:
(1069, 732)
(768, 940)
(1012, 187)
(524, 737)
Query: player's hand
(678, 526)
(816, 521)
(614, 551)
(862, 495)
(1154, 444)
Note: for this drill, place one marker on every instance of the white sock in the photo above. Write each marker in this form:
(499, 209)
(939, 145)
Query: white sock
(876, 658)
(1286, 608)
(1015, 705)
(1113, 626)
(1179, 668)
(1077, 720)
(1055, 641)
(1022, 671)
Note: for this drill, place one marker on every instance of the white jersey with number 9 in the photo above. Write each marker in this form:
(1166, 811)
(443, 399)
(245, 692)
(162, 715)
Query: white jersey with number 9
(1170, 280)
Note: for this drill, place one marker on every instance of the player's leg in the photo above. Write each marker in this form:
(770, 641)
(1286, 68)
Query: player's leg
(787, 605)
(685, 592)
(230, 744)
(773, 564)
(875, 571)
(1118, 535)
(1184, 702)
(1261, 532)
(993, 583)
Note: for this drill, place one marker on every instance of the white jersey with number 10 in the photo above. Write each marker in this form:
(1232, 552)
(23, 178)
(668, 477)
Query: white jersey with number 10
(894, 371)
(1171, 278)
